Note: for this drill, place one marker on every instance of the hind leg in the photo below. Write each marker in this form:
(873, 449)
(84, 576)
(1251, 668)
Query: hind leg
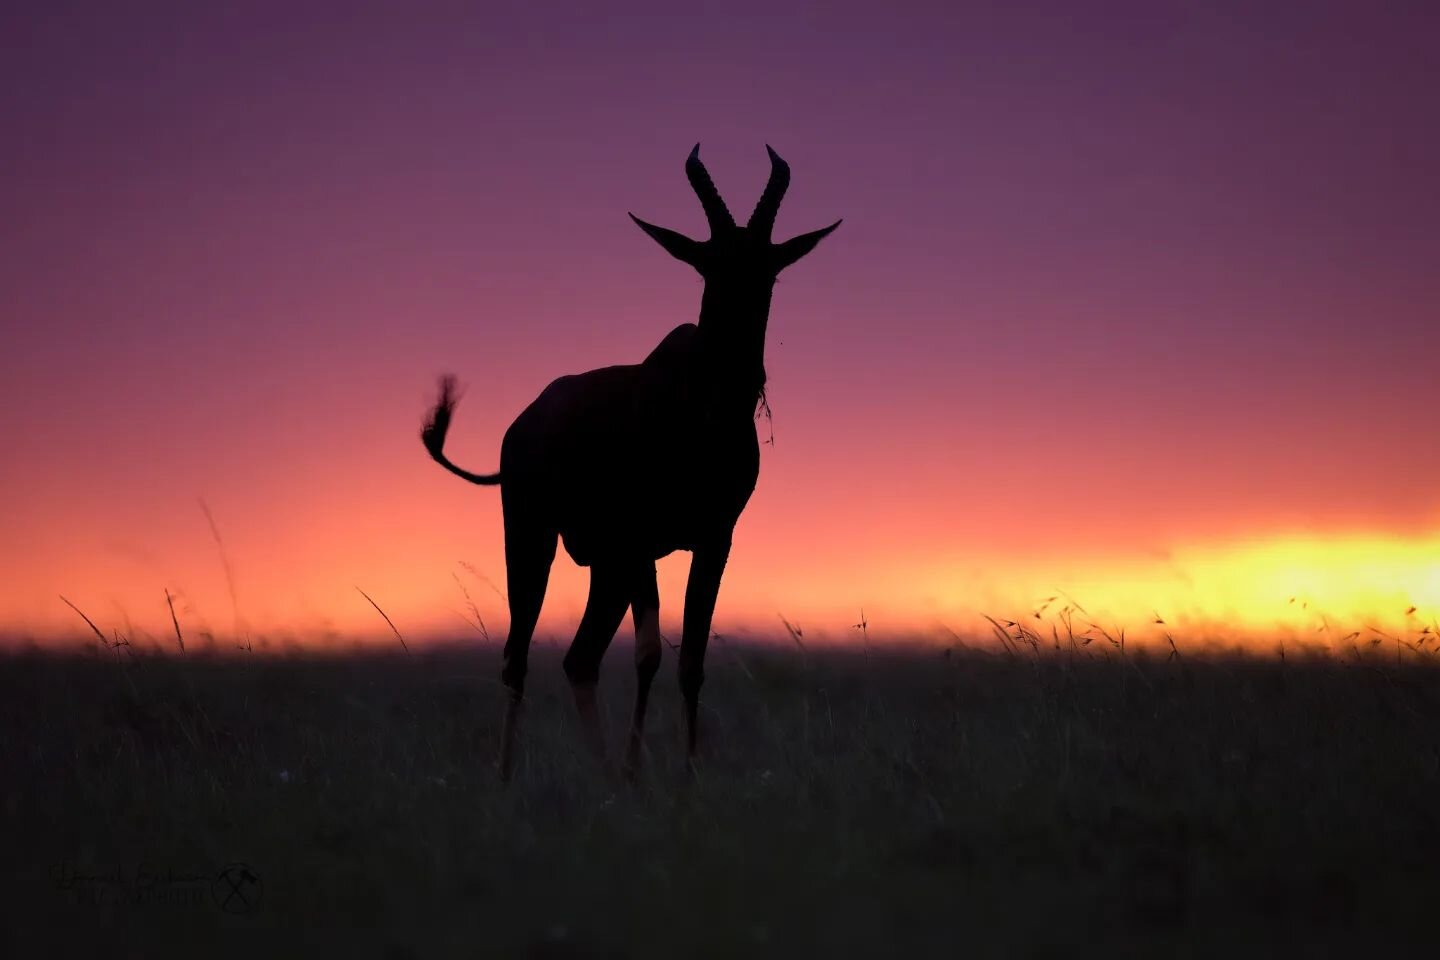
(529, 552)
(609, 596)
(645, 611)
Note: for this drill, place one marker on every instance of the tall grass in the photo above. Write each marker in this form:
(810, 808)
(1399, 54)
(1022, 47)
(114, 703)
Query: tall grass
(1047, 796)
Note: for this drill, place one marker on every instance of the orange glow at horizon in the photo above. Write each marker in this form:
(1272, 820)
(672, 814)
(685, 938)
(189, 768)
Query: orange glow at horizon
(1240, 591)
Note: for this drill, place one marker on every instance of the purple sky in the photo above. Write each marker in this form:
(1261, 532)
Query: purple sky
(1110, 273)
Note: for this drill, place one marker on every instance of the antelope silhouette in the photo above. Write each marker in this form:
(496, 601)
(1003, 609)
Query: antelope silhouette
(627, 464)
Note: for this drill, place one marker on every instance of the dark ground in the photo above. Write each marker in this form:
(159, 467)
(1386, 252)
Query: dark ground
(892, 805)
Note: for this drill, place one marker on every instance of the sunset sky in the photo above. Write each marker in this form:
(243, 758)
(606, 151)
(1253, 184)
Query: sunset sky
(1132, 300)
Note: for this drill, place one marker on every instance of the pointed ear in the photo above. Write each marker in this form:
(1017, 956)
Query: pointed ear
(678, 245)
(784, 254)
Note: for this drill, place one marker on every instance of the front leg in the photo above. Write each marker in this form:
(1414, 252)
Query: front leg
(706, 567)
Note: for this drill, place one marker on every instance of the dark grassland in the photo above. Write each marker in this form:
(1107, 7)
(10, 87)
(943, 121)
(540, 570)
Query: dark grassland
(904, 804)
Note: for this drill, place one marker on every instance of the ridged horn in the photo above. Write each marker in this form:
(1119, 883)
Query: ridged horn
(763, 219)
(715, 210)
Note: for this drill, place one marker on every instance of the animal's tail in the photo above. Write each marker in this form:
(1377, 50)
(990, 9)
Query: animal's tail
(432, 434)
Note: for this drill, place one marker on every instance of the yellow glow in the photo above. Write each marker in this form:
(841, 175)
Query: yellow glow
(1287, 583)
(1241, 591)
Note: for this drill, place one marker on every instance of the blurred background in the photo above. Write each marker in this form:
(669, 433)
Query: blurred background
(1139, 307)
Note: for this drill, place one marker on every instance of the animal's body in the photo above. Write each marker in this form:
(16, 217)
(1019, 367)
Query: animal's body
(626, 464)
(602, 452)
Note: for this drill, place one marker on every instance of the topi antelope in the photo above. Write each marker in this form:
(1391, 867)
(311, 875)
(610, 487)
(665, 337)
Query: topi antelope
(578, 464)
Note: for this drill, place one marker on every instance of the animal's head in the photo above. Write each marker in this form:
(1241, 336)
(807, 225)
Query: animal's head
(736, 255)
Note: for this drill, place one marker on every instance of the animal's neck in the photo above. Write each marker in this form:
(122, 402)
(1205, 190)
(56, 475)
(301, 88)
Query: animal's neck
(732, 329)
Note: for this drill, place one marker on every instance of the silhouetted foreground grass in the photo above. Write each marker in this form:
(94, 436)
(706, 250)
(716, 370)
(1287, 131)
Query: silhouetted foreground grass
(904, 805)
